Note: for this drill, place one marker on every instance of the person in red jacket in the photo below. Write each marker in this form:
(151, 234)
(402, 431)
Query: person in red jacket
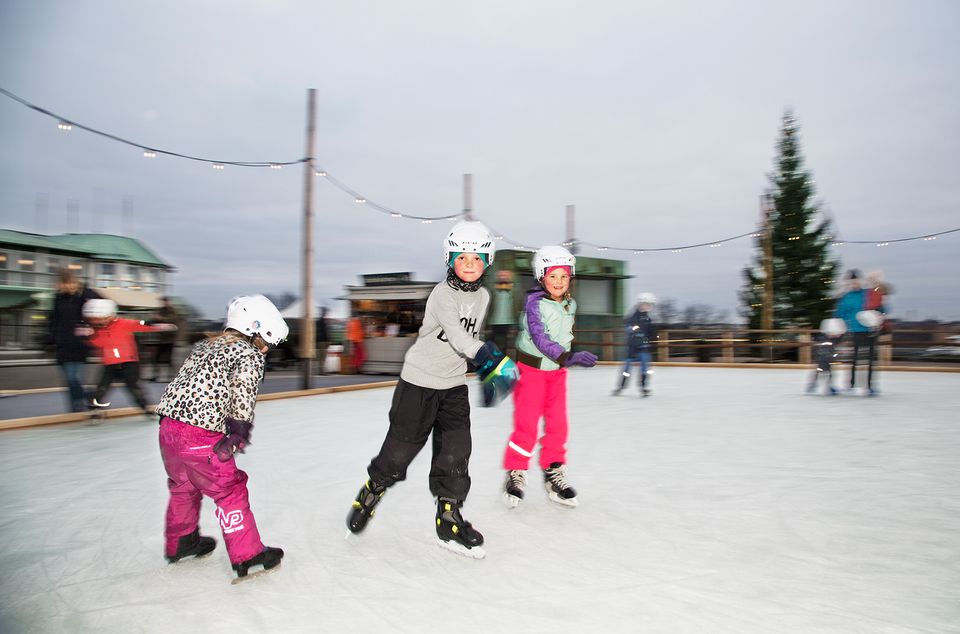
(114, 339)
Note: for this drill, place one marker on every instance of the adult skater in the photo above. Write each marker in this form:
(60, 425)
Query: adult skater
(641, 333)
(207, 416)
(543, 356)
(431, 395)
(863, 324)
(66, 332)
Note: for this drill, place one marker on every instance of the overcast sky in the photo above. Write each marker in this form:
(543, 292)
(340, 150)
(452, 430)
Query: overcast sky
(658, 120)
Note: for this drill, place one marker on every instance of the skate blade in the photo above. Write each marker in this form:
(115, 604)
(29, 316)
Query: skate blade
(477, 552)
(571, 503)
(254, 575)
(511, 501)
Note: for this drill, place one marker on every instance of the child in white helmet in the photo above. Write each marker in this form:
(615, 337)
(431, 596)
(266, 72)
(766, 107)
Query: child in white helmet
(206, 417)
(113, 338)
(641, 335)
(825, 353)
(431, 395)
(543, 356)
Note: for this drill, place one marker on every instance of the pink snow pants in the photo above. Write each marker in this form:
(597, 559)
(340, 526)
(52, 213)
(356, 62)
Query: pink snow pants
(193, 471)
(538, 393)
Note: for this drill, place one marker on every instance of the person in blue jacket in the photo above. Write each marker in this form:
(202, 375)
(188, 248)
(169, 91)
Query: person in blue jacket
(862, 324)
(641, 333)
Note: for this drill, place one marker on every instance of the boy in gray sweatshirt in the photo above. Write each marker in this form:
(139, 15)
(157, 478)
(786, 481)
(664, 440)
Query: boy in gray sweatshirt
(431, 395)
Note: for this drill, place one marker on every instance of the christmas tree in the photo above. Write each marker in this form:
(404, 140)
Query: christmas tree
(799, 250)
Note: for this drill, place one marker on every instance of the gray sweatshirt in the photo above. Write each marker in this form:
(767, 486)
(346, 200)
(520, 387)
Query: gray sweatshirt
(448, 337)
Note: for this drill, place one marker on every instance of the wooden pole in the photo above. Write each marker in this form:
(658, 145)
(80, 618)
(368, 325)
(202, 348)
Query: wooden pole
(307, 343)
(766, 205)
(468, 196)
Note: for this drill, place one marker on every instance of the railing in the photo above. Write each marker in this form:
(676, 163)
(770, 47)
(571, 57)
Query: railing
(732, 345)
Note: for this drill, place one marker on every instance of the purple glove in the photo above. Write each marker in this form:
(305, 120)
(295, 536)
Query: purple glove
(581, 357)
(236, 438)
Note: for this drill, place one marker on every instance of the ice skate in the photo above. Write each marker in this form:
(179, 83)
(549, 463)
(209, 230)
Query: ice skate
(559, 490)
(192, 545)
(623, 384)
(514, 486)
(455, 533)
(97, 411)
(644, 392)
(363, 507)
(269, 558)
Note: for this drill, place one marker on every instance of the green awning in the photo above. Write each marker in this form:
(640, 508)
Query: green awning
(14, 297)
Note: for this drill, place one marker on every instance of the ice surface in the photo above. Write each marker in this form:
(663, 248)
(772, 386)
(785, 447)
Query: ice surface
(729, 501)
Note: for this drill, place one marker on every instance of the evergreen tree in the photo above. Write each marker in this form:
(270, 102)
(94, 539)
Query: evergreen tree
(803, 271)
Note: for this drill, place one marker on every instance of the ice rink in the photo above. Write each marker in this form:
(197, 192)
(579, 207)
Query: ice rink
(729, 501)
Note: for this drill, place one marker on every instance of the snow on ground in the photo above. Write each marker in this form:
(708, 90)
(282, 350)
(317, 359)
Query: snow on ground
(730, 501)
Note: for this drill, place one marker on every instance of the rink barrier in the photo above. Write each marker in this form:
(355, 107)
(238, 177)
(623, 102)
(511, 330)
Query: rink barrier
(125, 412)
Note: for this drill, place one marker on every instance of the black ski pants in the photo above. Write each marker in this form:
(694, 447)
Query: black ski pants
(414, 414)
(867, 341)
(130, 374)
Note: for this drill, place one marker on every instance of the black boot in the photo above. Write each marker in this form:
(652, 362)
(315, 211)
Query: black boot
(192, 545)
(363, 507)
(451, 527)
(623, 383)
(268, 558)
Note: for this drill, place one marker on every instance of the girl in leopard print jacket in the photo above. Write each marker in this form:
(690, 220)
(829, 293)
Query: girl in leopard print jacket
(206, 417)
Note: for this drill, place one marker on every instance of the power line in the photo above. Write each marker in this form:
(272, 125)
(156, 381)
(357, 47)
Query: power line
(151, 152)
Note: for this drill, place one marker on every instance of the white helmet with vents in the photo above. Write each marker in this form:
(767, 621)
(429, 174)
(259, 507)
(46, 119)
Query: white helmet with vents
(256, 315)
(833, 327)
(547, 257)
(469, 236)
(646, 298)
(99, 308)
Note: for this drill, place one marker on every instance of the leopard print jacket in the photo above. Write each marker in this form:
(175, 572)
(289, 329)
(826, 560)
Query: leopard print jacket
(219, 380)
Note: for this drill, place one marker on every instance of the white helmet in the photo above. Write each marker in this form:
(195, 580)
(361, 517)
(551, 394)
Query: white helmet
(99, 308)
(471, 237)
(646, 298)
(833, 327)
(870, 318)
(256, 315)
(552, 256)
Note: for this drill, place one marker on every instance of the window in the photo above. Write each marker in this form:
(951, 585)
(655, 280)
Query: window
(594, 297)
(107, 276)
(3, 268)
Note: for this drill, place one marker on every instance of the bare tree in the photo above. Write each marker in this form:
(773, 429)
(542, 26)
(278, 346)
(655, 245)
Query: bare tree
(667, 311)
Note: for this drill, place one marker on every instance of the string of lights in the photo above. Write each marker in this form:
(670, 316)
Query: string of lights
(148, 151)
(151, 152)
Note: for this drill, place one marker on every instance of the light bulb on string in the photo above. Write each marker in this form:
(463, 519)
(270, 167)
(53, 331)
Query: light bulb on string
(217, 166)
(321, 173)
(63, 125)
(149, 154)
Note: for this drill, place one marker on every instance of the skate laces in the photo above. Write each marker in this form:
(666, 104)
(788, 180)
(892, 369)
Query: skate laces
(557, 476)
(517, 479)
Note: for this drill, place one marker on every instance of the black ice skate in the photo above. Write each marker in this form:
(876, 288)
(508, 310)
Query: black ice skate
(555, 482)
(513, 487)
(623, 384)
(269, 558)
(455, 533)
(363, 507)
(192, 545)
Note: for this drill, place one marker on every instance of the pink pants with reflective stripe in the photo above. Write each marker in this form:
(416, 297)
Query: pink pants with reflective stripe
(538, 393)
(193, 471)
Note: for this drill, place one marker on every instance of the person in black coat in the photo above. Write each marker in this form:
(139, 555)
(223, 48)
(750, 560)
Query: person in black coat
(71, 347)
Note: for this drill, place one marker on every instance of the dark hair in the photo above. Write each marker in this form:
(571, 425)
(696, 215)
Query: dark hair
(853, 274)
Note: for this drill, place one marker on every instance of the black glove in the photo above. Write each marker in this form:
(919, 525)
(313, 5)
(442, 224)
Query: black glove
(487, 359)
(236, 438)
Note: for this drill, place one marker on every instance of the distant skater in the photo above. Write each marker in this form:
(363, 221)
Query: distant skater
(641, 333)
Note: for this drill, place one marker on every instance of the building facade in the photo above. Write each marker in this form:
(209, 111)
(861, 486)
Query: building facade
(116, 267)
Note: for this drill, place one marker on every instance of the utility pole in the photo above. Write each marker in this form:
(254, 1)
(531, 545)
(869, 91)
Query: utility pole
(766, 213)
(571, 233)
(307, 327)
(468, 196)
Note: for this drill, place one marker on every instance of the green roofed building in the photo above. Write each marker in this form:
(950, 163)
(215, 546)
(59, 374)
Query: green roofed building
(116, 267)
(599, 288)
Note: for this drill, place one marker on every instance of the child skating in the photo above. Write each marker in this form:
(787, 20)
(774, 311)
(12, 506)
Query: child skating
(825, 352)
(113, 338)
(641, 333)
(431, 395)
(206, 417)
(543, 356)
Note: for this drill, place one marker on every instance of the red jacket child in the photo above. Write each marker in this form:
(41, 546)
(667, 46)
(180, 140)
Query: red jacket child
(116, 342)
